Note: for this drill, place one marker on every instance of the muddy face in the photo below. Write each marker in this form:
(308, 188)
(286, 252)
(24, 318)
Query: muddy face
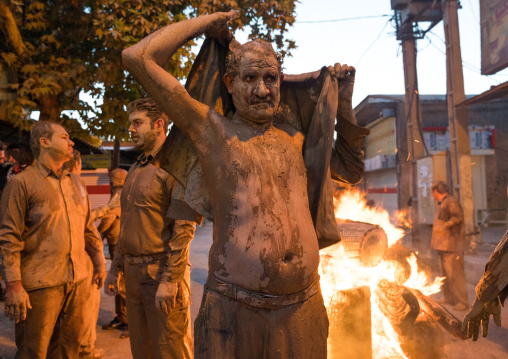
(256, 87)
(142, 131)
(59, 144)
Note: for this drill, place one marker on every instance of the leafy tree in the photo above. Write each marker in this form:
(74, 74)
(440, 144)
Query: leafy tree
(44, 47)
(59, 48)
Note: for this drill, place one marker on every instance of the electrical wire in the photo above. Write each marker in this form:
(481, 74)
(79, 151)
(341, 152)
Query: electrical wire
(372, 44)
(472, 12)
(465, 64)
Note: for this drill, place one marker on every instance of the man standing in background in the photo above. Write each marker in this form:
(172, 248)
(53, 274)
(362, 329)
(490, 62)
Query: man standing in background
(45, 234)
(110, 229)
(156, 229)
(448, 238)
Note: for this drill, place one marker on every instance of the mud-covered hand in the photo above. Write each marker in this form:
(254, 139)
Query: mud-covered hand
(219, 29)
(479, 315)
(99, 275)
(111, 283)
(345, 76)
(165, 298)
(114, 202)
(17, 301)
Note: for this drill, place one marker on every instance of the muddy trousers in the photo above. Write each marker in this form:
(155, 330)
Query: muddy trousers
(120, 306)
(451, 265)
(66, 303)
(226, 328)
(120, 303)
(154, 334)
(92, 313)
(90, 334)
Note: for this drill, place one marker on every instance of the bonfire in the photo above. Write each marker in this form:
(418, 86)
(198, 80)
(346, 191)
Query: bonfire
(376, 291)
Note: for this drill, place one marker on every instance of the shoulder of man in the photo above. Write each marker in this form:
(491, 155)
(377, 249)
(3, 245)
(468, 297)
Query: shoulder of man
(30, 174)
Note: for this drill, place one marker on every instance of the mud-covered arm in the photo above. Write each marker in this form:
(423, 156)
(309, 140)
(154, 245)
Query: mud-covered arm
(117, 262)
(456, 216)
(146, 61)
(106, 222)
(93, 243)
(495, 276)
(178, 255)
(347, 161)
(13, 209)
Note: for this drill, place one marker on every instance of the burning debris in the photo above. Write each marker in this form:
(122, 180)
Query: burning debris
(376, 291)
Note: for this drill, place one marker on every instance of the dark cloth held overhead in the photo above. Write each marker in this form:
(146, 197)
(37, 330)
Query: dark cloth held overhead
(309, 103)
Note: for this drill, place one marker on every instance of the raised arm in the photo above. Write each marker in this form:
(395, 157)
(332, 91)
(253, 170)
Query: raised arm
(347, 164)
(146, 61)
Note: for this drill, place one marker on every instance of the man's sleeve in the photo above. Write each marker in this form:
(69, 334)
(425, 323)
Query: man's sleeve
(106, 222)
(99, 212)
(347, 164)
(184, 226)
(455, 213)
(178, 208)
(495, 276)
(13, 208)
(178, 255)
(93, 242)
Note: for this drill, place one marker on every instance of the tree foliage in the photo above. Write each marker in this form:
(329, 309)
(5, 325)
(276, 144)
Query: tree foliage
(60, 48)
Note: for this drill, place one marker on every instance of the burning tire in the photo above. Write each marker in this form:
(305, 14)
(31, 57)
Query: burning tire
(364, 241)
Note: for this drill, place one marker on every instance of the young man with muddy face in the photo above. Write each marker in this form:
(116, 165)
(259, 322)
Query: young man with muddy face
(153, 246)
(45, 234)
(262, 297)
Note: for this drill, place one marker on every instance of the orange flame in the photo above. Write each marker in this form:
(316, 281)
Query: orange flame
(339, 272)
(404, 219)
(352, 205)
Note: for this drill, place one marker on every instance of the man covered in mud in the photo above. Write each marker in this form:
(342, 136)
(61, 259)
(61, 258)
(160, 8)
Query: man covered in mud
(45, 234)
(448, 238)
(262, 297)
(153, 246)
(491, 291)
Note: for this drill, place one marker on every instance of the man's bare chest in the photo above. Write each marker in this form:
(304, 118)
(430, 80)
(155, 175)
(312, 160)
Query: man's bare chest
(273, 155)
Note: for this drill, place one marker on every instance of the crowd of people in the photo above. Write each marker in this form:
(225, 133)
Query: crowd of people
(261, 175)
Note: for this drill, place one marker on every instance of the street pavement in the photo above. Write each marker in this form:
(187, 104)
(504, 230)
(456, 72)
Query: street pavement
(493, 347)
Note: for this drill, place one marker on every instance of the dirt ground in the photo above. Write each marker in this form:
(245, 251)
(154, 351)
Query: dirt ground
(494, 346)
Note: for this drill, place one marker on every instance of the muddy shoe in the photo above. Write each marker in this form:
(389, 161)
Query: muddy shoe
(95, 354)
(125, 334)
(114, 324)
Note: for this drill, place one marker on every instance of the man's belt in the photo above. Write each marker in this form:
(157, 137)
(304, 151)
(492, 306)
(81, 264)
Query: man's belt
(143, 259)
(260, 300)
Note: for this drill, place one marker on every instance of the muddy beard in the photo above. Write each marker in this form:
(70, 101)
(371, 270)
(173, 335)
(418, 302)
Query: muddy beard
(148, 143)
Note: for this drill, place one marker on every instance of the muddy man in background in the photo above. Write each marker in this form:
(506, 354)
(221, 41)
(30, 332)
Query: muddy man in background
(262, 297)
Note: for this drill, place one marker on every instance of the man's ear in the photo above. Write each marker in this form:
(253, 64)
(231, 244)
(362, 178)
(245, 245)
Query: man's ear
(281, 77)
(228, 79)
(44, 142)
(159, 124)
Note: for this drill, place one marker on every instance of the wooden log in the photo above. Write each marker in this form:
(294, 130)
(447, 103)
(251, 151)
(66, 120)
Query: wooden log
(447, 320)
(349, 314)
(399, 305)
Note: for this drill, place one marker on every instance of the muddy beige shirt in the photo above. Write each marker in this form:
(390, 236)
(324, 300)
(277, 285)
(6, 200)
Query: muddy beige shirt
(155, 219)
(448, 232)
(46, 230)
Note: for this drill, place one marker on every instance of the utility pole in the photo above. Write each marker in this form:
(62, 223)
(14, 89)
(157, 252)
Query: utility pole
(415, 144)
(408, 14)
(458, 121)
